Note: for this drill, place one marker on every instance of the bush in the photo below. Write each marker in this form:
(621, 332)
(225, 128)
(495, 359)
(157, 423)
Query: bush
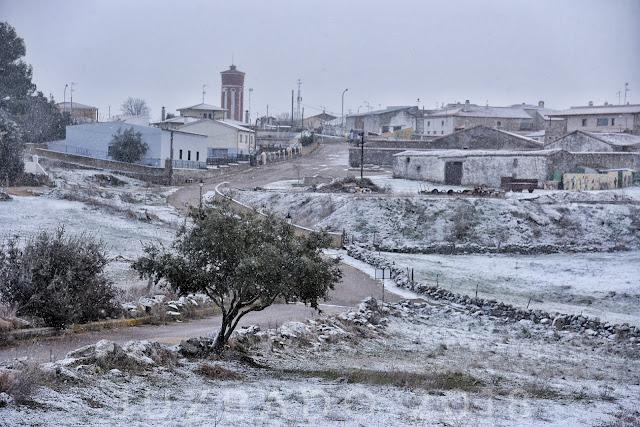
(127, 146)
(57, 278)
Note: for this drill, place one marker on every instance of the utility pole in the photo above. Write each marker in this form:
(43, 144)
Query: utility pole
(291, 110)
(299, 98)
(362, 157)
(618, 94)
(626, 89)
(72, 99)
(342, 113)
(250, 90)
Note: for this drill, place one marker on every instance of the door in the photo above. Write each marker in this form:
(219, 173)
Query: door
(453, 173)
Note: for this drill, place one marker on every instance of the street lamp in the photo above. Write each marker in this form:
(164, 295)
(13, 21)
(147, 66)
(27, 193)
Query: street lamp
(201, 184)
(64, 99)
(342, 116)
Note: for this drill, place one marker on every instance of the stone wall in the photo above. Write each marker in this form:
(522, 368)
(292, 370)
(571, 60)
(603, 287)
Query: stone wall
(622, 336)
(336, 238)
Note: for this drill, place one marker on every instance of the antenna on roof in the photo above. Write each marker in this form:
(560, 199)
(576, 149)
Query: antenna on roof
(626, 89)
(203, 92)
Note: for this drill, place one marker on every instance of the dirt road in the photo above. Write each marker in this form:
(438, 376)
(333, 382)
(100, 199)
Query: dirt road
(354, 287)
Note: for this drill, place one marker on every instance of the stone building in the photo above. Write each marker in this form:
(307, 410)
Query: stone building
(79, 112)
(379, 152)
(603, 118)
(391, 119)
(579, 141)
(232, 94)
(456, 117)
(486, 168)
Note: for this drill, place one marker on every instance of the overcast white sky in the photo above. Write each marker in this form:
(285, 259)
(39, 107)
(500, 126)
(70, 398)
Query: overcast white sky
(565, 52)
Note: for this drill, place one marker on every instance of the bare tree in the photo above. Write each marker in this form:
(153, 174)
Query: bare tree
(135, 107)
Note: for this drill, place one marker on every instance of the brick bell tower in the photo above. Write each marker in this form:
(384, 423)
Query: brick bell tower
(232, 97)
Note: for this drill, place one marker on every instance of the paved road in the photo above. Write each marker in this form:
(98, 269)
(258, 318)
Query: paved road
(328, 160)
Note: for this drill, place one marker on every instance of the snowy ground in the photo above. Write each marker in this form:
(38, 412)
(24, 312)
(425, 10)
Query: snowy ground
(605, 285)
(429, 366)
(116, 215)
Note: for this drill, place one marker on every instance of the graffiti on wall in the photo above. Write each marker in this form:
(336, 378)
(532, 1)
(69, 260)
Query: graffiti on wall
(596, 181)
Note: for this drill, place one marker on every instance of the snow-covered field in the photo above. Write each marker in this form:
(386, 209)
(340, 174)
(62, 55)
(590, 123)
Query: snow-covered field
(115, 215)
(605, 285)
(429, 366)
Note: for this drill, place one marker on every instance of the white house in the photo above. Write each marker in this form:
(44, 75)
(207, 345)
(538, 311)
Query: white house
(603, 118)
(224, 138)
(93, 140)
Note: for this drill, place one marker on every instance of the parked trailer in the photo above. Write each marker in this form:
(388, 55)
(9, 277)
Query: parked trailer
(508, 183)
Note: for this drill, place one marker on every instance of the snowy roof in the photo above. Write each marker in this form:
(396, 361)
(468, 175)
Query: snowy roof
(471, 153)
(202, 107)
(179, 119)
(386, 110)
(535, 134)
(618, 139)
(76, 106)
(479, 111)
(236, 124)
(603, 109)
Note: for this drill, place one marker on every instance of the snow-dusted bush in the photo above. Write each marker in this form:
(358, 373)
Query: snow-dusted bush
(57, 278)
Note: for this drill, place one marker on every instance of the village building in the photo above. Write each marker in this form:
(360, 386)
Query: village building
(80, 113)
(93, 140)
(381, 151)
(391, 119)
(317, 122)
(456, 117)
(225, 139)
(580, 141)
(604, 118)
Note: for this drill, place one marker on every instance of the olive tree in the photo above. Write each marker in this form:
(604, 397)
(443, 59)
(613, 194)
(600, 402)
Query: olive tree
(243, 261)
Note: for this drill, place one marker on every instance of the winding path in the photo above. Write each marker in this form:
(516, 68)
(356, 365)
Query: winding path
(326, 160)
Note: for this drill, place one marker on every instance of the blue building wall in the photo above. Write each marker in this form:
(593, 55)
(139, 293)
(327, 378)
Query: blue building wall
(93, 139)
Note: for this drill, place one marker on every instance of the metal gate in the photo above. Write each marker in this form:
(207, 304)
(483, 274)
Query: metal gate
(453, 173)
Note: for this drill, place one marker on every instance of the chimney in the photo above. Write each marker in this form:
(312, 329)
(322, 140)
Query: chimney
(590, 103)
(163, 115)
(541, 104)
(466, 105)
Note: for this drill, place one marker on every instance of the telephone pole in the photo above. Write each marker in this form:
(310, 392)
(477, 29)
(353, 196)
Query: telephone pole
(299, 98)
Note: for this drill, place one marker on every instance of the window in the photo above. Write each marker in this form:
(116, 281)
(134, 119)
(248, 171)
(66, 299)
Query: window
(603, 122)
(584, 122)
(498, 123)
(189, 155)
(408, 159)
(443, 123)
(515, 163)
(613, 122)
(197, 156)
(395, 128)
(442, 132)
(180, 155)
(385, 129)
(428, 123)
